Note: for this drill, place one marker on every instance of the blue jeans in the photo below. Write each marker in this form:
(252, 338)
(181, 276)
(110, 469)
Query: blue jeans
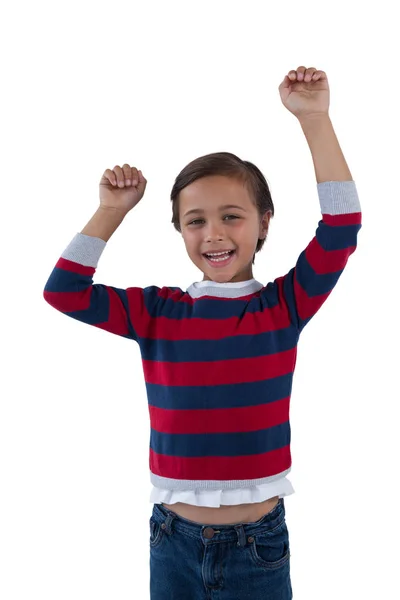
(191, 561)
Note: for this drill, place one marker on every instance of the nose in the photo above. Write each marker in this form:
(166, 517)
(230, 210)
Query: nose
(214, 231)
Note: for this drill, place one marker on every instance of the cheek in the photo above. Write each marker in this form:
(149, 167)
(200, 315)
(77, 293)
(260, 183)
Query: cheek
(245, 232)
(191, 240)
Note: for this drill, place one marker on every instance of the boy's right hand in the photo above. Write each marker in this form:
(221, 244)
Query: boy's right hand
(122, 197)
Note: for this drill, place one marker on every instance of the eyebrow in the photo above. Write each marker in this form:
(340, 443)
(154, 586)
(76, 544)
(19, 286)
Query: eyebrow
(225, 207)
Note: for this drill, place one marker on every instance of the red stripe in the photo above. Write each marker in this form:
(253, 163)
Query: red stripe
(69, 301)
(307, 306)
(66, 302)
(213, 329)
(221, 468)
(220, 372)
(324, 261)
(339, 220)
(69, 265)
(220, 420)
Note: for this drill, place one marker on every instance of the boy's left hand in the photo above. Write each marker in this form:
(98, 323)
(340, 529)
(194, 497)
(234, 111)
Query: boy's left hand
(305, 92)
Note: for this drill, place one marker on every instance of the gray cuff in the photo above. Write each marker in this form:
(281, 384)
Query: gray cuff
(85, 250)
(338, 197)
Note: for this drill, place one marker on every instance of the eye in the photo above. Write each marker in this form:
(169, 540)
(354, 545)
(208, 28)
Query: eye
(199, 220)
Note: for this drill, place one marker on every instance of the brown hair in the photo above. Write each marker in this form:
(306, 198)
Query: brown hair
(224, 163)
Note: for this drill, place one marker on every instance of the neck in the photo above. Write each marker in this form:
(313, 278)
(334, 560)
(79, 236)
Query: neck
(244, 275)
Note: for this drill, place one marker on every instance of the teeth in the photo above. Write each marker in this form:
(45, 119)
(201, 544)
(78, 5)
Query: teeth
(217, 253)
(218, 257)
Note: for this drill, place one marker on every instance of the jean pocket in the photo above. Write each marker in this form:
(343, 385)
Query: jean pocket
(156, 533)
(271, 549)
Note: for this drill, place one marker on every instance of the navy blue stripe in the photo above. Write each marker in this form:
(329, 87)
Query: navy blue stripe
(208, 308)
(67, 281)
(315, 284)
(98, 310)
(219, 396)
(288, 291)
(221, 444)
(123, 296)
(337, 237)
(231, 347)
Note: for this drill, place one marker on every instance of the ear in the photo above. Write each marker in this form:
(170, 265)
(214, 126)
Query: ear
(264, 225)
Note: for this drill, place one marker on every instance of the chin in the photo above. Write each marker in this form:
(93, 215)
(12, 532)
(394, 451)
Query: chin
(220, 277)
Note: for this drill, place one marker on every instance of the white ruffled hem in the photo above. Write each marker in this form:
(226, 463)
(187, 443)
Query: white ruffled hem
(216, 498)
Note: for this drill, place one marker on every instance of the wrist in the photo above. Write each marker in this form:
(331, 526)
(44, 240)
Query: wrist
(314, 119)
(112, 213)
(104, 222)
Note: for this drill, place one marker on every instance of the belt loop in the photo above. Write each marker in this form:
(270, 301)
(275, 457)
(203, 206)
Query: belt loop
(241, 535)
(168, 522)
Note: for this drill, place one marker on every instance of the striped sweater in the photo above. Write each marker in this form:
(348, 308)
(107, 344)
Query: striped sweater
(218, 359)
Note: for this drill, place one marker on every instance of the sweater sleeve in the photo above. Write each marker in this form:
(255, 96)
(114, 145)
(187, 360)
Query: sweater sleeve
(307, 285)
(70, 289)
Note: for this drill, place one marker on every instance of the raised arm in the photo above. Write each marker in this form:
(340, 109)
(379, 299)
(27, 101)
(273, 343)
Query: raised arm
(306, 287)
(70, 288)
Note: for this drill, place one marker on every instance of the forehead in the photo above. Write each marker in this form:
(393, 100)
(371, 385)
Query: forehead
(210, 192)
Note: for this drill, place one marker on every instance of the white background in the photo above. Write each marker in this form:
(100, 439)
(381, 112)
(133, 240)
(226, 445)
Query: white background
(87, 86)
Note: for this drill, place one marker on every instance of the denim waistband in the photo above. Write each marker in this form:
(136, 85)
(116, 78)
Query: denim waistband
(170, 521)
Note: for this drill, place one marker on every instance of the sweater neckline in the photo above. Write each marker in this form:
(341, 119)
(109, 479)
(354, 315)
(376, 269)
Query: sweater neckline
(224, 290)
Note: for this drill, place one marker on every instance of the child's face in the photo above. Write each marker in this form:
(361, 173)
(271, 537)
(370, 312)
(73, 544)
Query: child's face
(213, 228)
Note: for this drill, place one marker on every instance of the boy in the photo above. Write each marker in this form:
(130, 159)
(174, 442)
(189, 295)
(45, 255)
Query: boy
(218, 359)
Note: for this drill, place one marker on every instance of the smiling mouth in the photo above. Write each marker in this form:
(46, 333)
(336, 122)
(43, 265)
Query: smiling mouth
(220, 261)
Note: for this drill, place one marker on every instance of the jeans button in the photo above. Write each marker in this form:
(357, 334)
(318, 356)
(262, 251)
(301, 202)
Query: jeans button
(209, 533)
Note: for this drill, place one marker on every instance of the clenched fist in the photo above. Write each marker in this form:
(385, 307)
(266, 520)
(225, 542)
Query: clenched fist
(122, 188)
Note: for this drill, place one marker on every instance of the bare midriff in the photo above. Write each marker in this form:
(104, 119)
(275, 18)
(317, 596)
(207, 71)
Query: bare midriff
(224, 514)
